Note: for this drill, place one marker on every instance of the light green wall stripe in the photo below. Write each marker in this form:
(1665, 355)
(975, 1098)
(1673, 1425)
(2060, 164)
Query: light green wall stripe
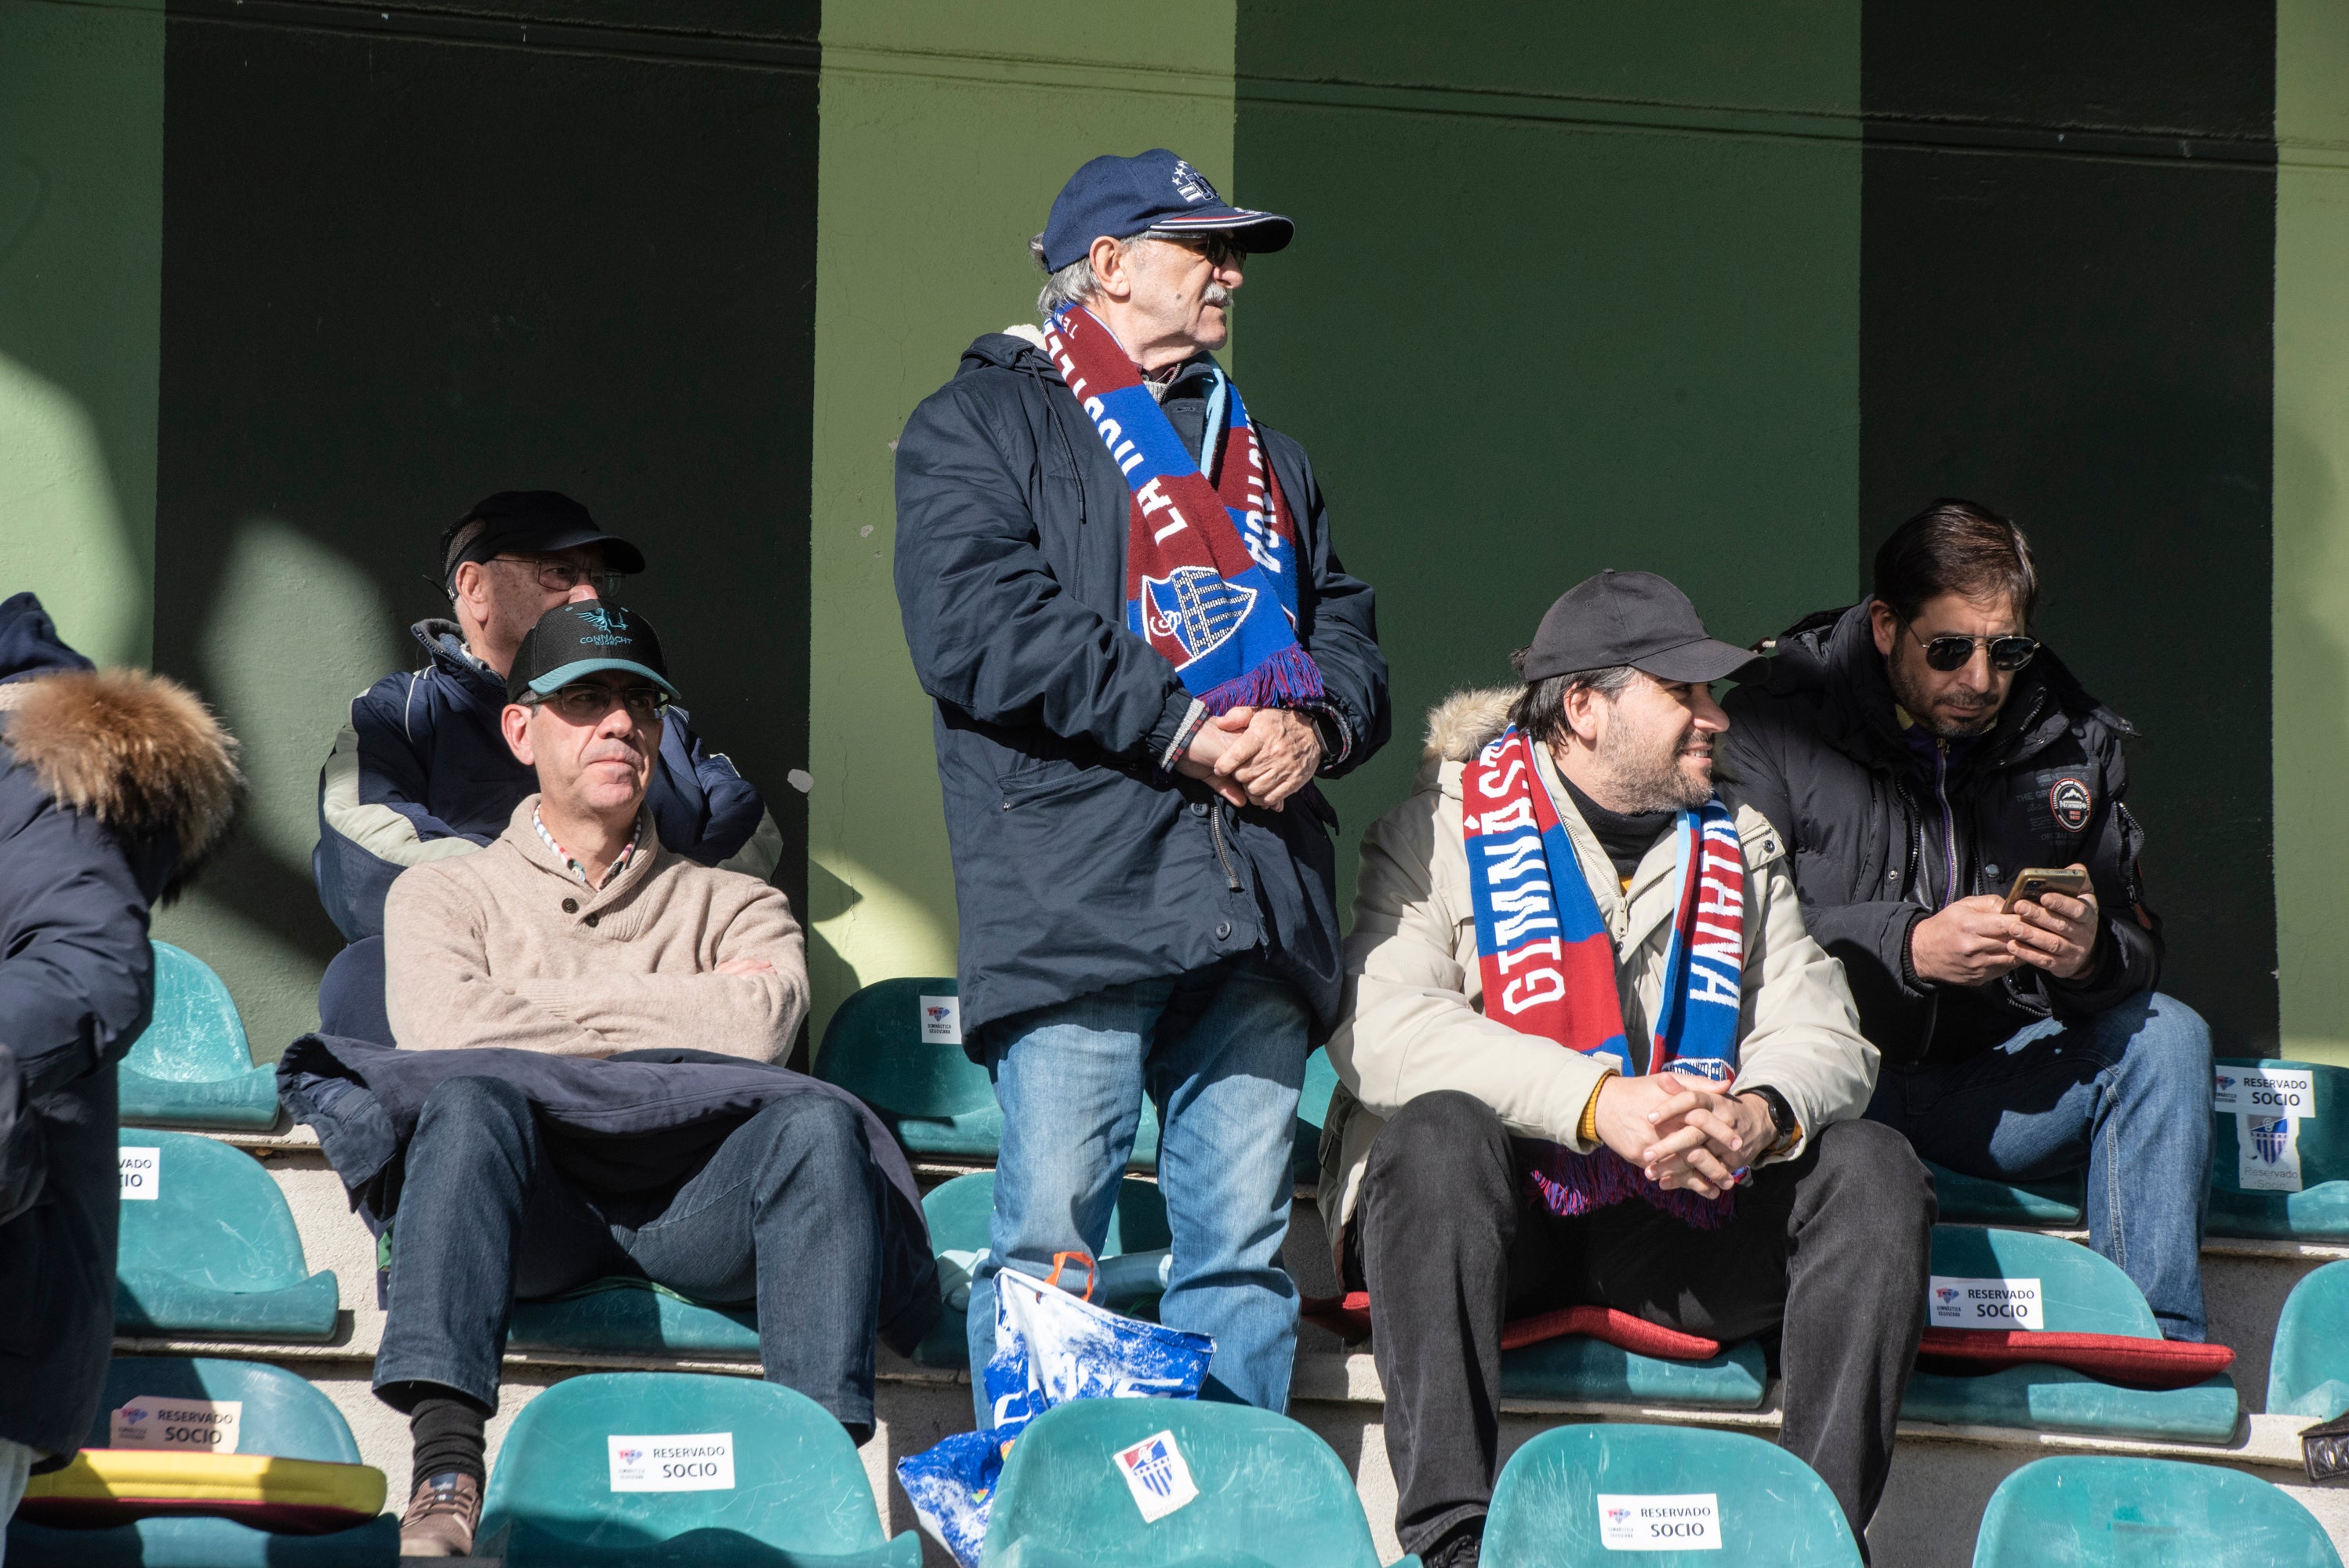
(946, 129)
(81, 258)
(2311, 525)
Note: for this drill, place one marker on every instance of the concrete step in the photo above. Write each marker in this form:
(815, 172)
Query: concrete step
(1942, 1475)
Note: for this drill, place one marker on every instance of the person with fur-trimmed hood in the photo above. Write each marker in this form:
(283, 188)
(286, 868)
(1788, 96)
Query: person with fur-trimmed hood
(114, 785)
(1589, 1058)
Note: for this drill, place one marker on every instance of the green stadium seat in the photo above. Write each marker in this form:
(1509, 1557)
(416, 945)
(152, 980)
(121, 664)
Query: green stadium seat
(936, 1100)
(633, 1317)
(581, 1479)
(2081, 1293)
(210, 1248)
(2308, 1369)
(1578, 1368)
(1313, 1115)
(1964, 1200)
(958, 1212)
(2320, 1210)
(192, 1068)
(1269, 1492)
(1582, 1497)
(2095, 1511)
(281, 1415)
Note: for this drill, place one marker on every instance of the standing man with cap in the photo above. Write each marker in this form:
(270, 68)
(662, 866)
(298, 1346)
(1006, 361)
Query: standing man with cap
(420, 772)
(1123, 595)
(1591, 1058)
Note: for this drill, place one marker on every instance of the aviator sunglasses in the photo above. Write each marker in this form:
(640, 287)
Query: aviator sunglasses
(1954, 652)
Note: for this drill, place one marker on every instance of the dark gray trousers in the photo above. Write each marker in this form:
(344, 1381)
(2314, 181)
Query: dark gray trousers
(1835, 1245)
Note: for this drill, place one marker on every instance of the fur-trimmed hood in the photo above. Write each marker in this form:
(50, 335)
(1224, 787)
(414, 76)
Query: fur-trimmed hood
(138, 751)
(1466, 721)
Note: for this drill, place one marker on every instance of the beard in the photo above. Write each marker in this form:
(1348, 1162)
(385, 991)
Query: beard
(1908, 691)
(1650, 772)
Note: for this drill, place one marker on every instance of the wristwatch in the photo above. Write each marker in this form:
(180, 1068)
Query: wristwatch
(1782, 1117)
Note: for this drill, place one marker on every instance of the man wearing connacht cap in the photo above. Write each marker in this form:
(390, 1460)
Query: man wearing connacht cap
(1121, 591)
(578, 934)
(1591, 1058)
(420, 770)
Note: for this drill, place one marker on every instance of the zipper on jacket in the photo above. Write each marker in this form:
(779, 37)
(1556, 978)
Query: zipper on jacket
(1215, 832)
(1949, 821)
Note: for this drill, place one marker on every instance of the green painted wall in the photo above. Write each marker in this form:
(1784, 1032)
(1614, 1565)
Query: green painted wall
(1573, 287)
(946, 130)
(81, 242)
(2311, 525)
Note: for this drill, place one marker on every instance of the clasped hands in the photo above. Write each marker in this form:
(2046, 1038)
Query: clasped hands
(1255, 756)
(1684, 1132)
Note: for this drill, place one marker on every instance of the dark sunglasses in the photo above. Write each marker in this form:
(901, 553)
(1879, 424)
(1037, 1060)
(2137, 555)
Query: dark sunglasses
(1954, 652)
(585, 702)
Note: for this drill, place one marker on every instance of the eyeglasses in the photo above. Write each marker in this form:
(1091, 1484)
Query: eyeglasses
(1221, 253)
(1955, 652)
(562, 577)
(585, 702)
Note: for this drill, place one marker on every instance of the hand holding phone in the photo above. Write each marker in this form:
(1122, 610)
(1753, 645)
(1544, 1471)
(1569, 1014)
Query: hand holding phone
(2060, 936)
(2034, 882)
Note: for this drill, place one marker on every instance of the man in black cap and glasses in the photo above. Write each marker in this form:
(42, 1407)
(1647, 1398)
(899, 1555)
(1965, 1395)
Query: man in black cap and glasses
(420, 772)
(1921, 750)
(1589, 1058)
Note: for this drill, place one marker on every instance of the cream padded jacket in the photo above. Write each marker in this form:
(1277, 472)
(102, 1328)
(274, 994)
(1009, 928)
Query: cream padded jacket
(1413, 1019)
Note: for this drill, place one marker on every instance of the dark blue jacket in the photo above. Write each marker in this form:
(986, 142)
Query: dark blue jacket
(422, 770)
(1077, 865)
(111, 786)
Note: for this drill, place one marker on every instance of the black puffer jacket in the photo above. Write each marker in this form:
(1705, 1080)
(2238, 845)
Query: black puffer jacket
(1076, 866)
(111, 786)
(1816, 747)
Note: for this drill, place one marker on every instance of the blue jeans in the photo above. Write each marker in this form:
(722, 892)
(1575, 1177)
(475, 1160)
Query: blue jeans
(786, 1211)
(2125, 1093)
(1221, 1052)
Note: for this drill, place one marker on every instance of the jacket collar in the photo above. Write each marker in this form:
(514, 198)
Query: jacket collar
(444, 640)
(522, 832)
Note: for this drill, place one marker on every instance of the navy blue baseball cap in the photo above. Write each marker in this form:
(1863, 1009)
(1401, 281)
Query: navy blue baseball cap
(529, 523)
(1155, 193)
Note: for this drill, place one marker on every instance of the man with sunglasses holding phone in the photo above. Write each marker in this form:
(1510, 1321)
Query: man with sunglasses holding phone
(420, 770)
(1920, 750)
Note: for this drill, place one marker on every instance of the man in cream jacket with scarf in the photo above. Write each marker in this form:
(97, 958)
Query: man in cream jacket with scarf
(1659, 1113)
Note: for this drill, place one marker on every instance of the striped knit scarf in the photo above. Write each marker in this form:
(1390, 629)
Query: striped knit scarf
(1548, 965)
(1211, 569)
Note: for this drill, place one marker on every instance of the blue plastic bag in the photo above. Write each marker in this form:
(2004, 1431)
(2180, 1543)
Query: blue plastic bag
(1050, 1347)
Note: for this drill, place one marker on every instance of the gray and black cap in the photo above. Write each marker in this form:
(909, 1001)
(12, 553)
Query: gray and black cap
(1634, 618)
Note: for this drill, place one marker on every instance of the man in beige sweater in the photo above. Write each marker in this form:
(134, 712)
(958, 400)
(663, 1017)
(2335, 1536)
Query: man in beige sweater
(576, 933)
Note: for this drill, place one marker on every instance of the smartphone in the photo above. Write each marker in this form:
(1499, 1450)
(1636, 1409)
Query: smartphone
(2032, 881)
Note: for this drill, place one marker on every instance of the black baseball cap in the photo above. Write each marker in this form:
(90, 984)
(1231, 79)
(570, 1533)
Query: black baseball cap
(574, 640)
(1634, 618)
(1154, 192)
(531, 522)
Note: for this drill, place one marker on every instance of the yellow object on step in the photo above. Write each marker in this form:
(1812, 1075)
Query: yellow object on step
(100, 1475)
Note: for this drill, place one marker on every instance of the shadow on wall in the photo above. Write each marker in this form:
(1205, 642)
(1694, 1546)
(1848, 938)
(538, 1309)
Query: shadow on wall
(2311, 702)
(292, 631)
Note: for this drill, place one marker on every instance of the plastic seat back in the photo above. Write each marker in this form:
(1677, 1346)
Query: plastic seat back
(896, 1046)
(275, 1411)
(2279, 1167)
(1964, 1200)
(2308, 1369)
(2078, 1290)
(674, 1465)
(1622, 1494)
(2095, 1511)
(205, 1212)
(958, 1212)
(1265, 1486)
(192, 1064)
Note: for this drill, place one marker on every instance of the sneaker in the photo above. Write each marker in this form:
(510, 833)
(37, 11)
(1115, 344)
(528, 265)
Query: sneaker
(1457, 1547)
(441, 1516)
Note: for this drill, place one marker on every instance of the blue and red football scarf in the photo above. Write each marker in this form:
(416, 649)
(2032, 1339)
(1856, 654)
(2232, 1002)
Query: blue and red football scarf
(1548, 965)
(1210, 569)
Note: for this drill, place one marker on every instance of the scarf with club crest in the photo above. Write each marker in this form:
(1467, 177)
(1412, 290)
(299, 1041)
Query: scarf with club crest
(1548, 965)
(1211, 568)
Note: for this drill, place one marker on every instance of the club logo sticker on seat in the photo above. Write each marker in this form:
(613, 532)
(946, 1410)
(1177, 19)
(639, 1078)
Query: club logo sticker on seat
(181, 1426)
(1659, 1521)
(1156, 1473)
(142, 1173)
(686, 1462)
(941, 1020)
(2267, 1152)
(2264, 1091)
(1957, 1301)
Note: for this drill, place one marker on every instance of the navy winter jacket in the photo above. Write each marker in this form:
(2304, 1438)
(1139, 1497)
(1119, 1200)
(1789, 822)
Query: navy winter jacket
(112, 786)
(422, 770)
(1077, 864)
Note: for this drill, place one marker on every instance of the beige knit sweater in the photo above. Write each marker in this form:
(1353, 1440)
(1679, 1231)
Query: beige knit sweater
(505, 947)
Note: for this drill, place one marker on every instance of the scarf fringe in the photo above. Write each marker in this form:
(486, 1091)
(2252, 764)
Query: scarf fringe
(1289, 678)
(1567, 1183)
